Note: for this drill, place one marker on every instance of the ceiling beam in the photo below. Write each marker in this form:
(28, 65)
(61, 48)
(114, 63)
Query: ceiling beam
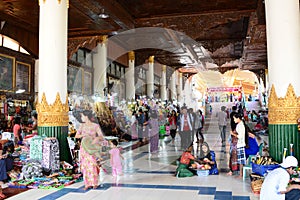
(18, 22)
(87, 33)
(202, 13)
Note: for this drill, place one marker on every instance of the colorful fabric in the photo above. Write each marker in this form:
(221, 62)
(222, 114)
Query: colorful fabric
(183, 171)
(91, 146)
(154, 135)
(50, 154)
(36, 148)
(253, 147)
(186, 158)
(233, 163)
(89, 168)
(241, 155)
(88, 162)
(3, 172)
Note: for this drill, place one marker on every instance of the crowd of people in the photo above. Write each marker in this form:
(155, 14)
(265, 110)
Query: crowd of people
(142, 122)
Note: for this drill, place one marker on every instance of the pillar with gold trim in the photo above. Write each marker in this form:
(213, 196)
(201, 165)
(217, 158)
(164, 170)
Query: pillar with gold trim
(100, 67)
(173, 86)
(52, 105)
(179, 87)
(129, 76)
(163, 86)
(283, 30)
(150, 77)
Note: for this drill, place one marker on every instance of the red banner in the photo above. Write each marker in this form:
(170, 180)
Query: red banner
(224, 89)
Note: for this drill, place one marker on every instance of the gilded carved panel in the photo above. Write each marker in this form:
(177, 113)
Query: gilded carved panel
(55, 114)
(284, 110)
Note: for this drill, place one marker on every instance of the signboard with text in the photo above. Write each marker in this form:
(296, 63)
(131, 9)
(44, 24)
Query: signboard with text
(224, 89)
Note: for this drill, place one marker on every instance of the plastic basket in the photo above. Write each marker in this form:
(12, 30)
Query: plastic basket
(262, 169)
(202, 172)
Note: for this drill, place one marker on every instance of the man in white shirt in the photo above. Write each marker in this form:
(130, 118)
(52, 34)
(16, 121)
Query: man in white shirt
(275, 185)
(222, 122)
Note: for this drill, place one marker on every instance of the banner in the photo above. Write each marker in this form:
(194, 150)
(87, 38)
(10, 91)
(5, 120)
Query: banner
(224, 89)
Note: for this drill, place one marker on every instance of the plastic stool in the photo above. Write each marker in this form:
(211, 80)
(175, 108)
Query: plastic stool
(248, 166)
(245, 168)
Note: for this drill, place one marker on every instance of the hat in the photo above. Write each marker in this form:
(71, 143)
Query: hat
(289, 161)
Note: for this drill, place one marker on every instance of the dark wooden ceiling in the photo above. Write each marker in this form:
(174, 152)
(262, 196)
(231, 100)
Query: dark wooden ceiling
(183, 32)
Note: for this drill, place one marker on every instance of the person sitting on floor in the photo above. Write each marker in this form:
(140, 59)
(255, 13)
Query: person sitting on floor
(186, 160)
(208, 157)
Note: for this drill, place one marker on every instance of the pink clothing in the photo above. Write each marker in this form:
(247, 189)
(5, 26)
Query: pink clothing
(89, 168)
(115, 161)
(88, 163)
(17, 130)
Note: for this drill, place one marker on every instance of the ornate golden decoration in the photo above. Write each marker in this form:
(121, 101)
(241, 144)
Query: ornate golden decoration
(59, 1)
(52, 115)
(102, 39)
(40, 2)
(151, 59)
(2, 97)
(284, 110)
(131, 55)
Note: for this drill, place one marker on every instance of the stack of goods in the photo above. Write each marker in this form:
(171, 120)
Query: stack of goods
(36, 165)
(262, 164)
(202, 169)
(54, 181)
(36, 148)
(50, 154)
(32, 169)
(256, 183)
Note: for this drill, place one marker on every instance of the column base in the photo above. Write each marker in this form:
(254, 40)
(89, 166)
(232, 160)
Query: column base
(280, 137)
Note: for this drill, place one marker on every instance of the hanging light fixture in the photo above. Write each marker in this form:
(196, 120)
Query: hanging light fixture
(103, 15)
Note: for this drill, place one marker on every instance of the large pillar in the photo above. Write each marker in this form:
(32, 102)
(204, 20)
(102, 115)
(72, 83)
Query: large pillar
(173, 87)
(100, 65)
(129, 77)
(52, 104)
(179, 87)
(150, 77)
(163, 85)
(283, 30)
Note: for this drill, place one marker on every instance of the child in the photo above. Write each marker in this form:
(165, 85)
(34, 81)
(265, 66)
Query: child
(115, 160)
(207, 157)
(186, 161)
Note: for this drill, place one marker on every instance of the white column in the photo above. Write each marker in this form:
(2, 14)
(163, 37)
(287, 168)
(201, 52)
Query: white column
(150, 77)
(129, 76)
(173, 86)
(179, 87)
(283, 39)
(53, 30)
(163, 86)
(100, 65)
(36, 75)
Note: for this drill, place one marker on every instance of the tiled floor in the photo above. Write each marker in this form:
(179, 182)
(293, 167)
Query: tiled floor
(151, 176)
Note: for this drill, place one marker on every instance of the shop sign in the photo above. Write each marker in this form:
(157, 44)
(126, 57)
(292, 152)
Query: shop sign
(224, 89)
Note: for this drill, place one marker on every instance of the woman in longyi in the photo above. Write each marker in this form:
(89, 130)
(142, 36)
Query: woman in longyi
(90, 148)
